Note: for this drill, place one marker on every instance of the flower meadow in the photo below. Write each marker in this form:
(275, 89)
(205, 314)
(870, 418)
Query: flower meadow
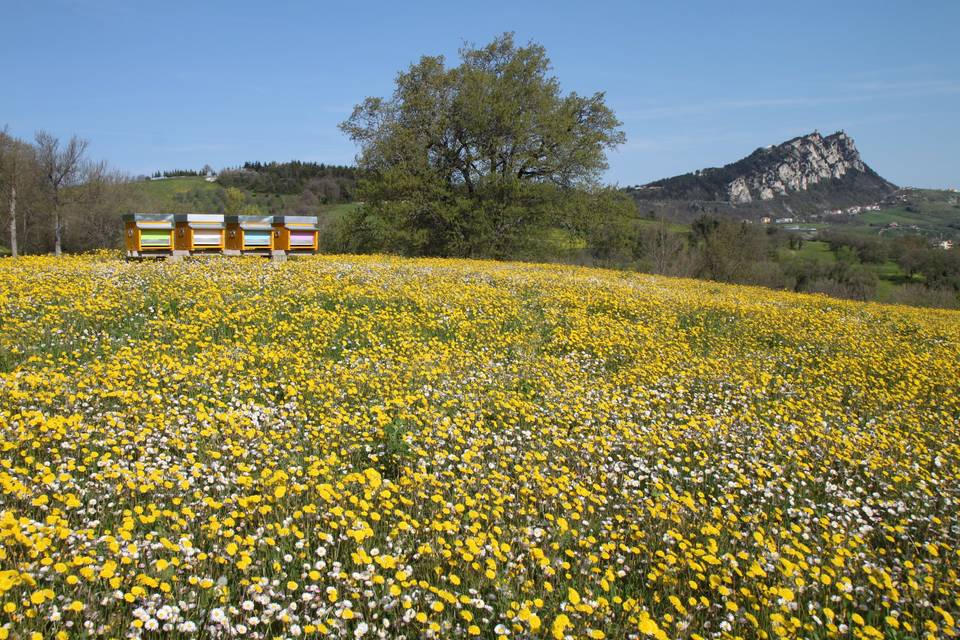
(364, 447)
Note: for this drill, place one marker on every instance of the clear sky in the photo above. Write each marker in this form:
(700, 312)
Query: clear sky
(160, 85)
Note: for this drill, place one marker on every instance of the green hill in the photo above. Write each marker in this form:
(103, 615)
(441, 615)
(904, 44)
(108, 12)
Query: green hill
(196, 194)
(167, 190)
(932, 213)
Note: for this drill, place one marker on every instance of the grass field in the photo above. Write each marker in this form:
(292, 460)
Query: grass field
(337, 211)
(378, 447)
(166, 189)
(814, 250)
(932, 213)
(194, 194)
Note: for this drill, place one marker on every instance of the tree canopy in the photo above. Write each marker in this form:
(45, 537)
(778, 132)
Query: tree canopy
(467, 160)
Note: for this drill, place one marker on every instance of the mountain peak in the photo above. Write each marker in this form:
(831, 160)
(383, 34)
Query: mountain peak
(794, 166)
(821, 171)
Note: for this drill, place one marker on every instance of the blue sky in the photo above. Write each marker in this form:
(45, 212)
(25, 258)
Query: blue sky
(179, 84)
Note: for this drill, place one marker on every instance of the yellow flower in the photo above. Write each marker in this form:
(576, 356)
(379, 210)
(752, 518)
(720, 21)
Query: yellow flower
(559, 627)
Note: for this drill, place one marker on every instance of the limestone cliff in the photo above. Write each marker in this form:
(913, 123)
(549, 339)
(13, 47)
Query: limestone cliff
(806, 173)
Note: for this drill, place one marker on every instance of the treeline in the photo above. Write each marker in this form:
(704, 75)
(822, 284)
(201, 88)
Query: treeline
(726, 250)
(185, 173)
(328, 184)
(930, 275)
(54, 198)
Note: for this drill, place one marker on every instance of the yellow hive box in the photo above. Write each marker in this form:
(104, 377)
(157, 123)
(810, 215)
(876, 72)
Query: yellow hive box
(296, 234)
(199, 232)
(146, 234)
(249, 233)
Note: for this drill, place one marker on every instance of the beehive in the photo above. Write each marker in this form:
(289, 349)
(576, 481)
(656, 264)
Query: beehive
(296, 234)
(249, 233)
(148, 234)
(199, 232)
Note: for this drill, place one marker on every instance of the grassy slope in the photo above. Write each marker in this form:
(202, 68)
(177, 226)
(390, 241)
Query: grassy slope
(819, 251)
(934, 213)
(166, 190)
(589, 422)
(162, 195)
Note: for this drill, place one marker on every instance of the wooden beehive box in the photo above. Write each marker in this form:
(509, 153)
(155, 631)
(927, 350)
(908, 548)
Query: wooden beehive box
(296, 234)
(146, 234)
(199, 232)
(249, 233)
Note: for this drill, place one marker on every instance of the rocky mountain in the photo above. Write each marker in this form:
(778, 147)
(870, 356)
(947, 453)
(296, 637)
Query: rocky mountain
(807, 174)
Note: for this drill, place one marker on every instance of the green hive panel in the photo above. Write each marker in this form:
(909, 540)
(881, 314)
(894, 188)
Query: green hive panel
(154, 237)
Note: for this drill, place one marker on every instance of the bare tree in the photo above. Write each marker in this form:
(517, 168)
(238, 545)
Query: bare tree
(61, 168)
(8, 175)
(13, 213)
(17, 174)
(663, 248)
(91, 215)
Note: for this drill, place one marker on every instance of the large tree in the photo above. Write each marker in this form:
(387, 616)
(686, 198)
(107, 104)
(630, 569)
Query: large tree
(467, 160)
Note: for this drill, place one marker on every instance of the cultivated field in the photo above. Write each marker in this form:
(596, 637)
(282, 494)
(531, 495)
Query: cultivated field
(367, 447)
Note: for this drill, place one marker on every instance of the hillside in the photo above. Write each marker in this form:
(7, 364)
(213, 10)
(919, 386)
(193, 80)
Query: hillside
(239, 447)
(195, 194)
(808, 174)
(187, 194)
(931, 213)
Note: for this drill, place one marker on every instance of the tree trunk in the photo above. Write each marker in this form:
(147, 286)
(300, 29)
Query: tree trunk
(13, 221)
(56, 233)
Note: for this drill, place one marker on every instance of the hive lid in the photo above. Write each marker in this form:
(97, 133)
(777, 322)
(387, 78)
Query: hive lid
(199, 217)
(295, 220)
(154, 225)
(246, 220)
(148, 217)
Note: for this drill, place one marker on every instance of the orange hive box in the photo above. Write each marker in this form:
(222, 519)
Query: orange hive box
(199, 232)
(148, 234)
(250, 233)
(296, 234)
